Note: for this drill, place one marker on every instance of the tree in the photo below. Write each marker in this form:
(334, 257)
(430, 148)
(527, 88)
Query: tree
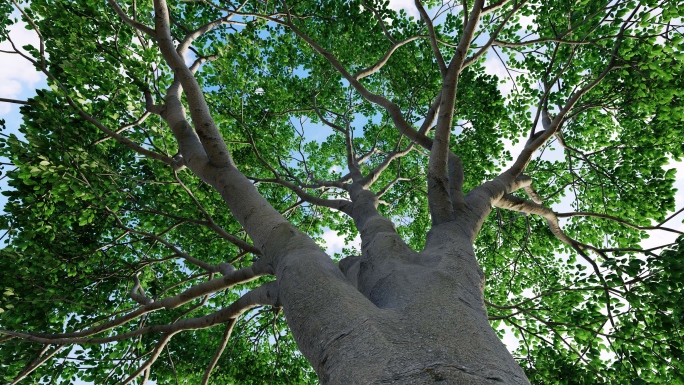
(168, 183)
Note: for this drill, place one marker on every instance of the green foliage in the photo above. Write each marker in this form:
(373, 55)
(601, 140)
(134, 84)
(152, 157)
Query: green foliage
(83, 211)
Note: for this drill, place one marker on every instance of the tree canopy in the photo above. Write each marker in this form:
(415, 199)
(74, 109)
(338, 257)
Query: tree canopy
(121, 262)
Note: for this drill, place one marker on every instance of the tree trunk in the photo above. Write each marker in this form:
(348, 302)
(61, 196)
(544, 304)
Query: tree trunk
(420, 319)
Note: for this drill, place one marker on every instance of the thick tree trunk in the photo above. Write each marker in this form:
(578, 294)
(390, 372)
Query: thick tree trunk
(420, 320)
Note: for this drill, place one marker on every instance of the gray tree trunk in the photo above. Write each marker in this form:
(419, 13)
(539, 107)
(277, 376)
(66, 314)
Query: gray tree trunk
(420, 318)
(389, 316)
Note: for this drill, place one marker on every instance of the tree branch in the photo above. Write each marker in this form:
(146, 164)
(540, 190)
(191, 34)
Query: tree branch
(616, 219)
(138, 122)
(155, 354)
(493, 35)
(121, 139)
(266, 294)
(206, 266)
(380, 63)
(518, 204)
(433, 38)
(211, 224)
(483, 196)
(337, 204)
(16, 101)
(195, 34)
(140, 297)
(456, 180)
(493, 7)
(380, 21)
(207, 132)
(374, 174)
(392, 109)
(39, 360)
(219, 350)
(41, 39)
(244, 275)
(439, 201)
(354, 168)
(135, 24)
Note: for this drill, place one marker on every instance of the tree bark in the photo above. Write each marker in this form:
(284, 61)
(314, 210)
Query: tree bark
(422, 321)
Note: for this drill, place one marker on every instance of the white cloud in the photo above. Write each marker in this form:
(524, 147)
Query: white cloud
(334, 243)
(406, 5)
(659, 238)
(494, 66)
(189, 57)
(17, 75)
(528, 22)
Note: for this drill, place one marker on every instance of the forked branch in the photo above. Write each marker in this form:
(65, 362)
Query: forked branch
(222, 345)
(163, 340)
(265, 295)
(383, 60)
(42, 357)
(433, 38)
(439, 187)
(244, 275)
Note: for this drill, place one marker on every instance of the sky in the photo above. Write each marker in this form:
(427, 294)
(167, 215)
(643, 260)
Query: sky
(18, 80)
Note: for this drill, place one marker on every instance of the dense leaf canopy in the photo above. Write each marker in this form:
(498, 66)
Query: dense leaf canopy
(100, 218)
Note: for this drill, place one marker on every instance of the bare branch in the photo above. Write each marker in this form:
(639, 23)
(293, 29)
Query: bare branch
(39, 360)
(138, 293)
(237, 277)
(380, 63)
(433, 38)
(133, 23)
(138, 122)
(616, 219)
(219, 350)
(5, 100)
(209, 135)
(266, 294)
(155, 354)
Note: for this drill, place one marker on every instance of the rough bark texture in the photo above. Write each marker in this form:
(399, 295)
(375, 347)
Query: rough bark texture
(389, 316)
(422, 319)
